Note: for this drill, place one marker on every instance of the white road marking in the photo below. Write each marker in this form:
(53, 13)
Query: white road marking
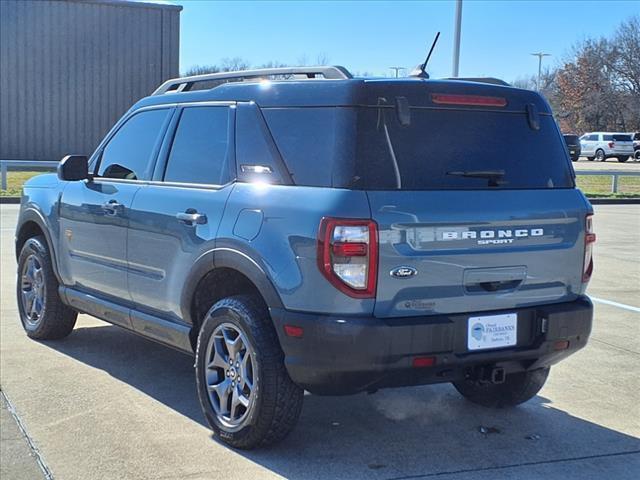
(615, 304)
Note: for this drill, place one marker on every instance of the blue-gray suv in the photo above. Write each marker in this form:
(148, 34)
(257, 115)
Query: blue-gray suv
(299, 229)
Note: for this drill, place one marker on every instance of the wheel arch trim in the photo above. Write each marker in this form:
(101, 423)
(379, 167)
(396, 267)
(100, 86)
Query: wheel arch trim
(33, 215)
(234, 259)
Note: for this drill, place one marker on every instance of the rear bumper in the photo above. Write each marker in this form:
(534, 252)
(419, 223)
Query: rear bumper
(342, 355)
(576, 153)
(619, 153)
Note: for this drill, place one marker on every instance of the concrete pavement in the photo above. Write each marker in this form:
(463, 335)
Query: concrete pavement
(105, 404)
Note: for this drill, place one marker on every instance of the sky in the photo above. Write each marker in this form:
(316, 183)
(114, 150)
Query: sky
(497, 36)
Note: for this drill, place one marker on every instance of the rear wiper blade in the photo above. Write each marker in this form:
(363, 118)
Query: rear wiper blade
(493, 176)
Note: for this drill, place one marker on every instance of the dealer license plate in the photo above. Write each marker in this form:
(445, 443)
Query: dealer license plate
(492, 331)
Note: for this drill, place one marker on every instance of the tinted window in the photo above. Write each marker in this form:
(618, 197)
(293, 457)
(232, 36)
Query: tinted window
(607, 138)
(622, 138)
(571, 139)
(592, 137)
(316, 144)
(128, 155)
(199, 150)
(450, 149)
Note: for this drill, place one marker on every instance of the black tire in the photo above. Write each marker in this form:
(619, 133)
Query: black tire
(636, 155)
(516, 389)
(622, 159)
(278, 401)
(600, 156)
(57, 319)
(590, 159)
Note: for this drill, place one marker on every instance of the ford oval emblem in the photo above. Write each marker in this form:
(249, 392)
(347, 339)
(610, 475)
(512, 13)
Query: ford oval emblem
(403, 272)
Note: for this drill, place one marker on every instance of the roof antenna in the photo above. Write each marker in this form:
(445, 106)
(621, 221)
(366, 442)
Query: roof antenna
(421, 70)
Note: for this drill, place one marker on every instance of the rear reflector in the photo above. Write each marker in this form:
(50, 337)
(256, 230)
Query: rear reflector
(475, 100)
(293, 331)
(589, 240)
(561, 345)
(342, 249)
(419, 362)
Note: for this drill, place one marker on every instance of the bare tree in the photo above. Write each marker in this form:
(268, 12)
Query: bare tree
(322, 59)
(234, 64)
(201, 70)
(273, 64)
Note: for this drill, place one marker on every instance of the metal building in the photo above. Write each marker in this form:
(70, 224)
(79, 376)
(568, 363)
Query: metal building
(70, 68)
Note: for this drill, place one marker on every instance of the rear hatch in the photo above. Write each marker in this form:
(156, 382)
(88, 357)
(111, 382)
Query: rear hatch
(573, 144)
(622, 143)
(474, 199)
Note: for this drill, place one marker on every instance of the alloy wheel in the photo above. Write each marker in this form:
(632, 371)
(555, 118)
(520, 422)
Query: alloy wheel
(33, 290)
(231, 373)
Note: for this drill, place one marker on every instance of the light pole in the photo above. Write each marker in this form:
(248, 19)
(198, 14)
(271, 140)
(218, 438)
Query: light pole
(456, 39)
(540, 55)
(396, 70)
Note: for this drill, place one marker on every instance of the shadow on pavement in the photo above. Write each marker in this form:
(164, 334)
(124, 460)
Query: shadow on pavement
(418, 431)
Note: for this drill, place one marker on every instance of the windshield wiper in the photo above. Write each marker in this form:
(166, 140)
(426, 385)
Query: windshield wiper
(494, 176)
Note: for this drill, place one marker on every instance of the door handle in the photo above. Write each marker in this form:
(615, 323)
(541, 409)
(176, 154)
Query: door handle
(112, 207)
(191, 217)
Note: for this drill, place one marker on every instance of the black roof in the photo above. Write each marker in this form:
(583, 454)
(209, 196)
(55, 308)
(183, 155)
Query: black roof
(349, 92)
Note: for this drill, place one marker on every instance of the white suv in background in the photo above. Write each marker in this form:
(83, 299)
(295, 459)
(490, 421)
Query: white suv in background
(603, 145)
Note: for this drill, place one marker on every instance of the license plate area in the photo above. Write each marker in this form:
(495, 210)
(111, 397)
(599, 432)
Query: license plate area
(488, 332)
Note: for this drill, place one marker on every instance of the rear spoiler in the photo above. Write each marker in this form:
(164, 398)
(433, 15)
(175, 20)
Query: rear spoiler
(491, 80)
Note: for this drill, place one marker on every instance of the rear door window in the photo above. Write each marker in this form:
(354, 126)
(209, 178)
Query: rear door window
(458, 149)
(200, 149)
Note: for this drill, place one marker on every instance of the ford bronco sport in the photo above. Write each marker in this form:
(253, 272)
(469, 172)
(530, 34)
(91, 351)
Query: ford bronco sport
(299, 229)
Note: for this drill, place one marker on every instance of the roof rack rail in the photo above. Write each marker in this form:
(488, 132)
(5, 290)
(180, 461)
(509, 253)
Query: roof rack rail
(491, 80)
(185, 84)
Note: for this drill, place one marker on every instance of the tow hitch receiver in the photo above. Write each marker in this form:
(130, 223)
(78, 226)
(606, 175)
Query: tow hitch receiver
(497, 375)
(487, 374)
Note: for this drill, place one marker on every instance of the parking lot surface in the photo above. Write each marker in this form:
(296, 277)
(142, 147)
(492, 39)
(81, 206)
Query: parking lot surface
(610, 164)
(106, 404)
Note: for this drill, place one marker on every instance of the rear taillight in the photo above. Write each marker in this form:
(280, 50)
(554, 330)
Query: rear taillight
(589, 240)
(611, 144)
(348, 255)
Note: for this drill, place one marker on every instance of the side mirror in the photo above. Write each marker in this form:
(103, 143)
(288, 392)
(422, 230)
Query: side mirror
(73, 167)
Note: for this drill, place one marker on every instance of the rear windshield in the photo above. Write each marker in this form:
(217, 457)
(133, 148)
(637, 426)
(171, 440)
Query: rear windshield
(571, 139)
(458, 149)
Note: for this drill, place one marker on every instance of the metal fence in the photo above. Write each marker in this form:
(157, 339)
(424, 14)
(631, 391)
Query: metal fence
(614, 174)
(22, 165)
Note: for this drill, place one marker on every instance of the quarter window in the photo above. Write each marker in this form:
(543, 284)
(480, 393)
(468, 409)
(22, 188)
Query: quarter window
(129, 154)
(199, 153)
